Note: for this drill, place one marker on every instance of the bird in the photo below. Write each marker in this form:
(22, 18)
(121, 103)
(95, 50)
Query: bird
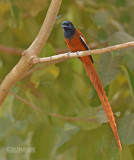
(76, 41)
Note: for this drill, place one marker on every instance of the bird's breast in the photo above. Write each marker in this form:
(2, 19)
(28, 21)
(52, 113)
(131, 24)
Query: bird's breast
(75, 44)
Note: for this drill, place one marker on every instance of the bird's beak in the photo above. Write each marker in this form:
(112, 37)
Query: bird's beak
(63, 26)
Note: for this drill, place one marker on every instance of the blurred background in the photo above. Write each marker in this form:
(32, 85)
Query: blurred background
(53, 112)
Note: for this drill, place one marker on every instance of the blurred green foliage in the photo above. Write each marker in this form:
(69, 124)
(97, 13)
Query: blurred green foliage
(64, 88)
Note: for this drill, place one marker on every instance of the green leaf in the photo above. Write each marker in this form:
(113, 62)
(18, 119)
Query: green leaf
(49, 50)
(4, 7)
(35, 6)
(130, 79)
(101, 116)
(102, 35)
(120, 2)
(126, 129)
(45, 140)
(90, 113)
(15, 11)
(5, 127)
(20, 111)
(5, 110)
(121, 37)
(66, 134)
(117, 25)
(129, 59)
(45, 74)
(101, 19)
(108, 68)
(94, 98)
(92, 144)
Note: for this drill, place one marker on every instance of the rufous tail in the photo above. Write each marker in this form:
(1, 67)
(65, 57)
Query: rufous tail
(92, 74)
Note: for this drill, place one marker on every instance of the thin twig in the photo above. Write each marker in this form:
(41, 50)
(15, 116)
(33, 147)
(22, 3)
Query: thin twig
(52, 114)
(66, 56)
(11, 50)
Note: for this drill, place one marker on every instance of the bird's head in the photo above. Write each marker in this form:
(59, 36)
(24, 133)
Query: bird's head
(69, 29)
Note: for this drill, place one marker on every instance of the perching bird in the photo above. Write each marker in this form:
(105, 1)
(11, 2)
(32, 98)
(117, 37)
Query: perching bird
(76, 41)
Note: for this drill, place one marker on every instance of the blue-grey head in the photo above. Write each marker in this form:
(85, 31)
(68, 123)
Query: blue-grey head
(69, 29)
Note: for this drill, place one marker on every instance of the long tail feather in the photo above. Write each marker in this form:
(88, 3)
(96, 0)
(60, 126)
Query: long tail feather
(92, 74)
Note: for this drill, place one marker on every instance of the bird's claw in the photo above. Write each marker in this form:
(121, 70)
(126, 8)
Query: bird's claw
(77, 53)
(68, 53)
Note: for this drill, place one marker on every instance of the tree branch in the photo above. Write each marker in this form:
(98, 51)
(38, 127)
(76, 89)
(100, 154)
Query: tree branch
(53, 114)
(11, 50)
(65, 56)
(26, 61)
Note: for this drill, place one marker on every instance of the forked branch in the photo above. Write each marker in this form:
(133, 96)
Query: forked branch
(26, 61)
